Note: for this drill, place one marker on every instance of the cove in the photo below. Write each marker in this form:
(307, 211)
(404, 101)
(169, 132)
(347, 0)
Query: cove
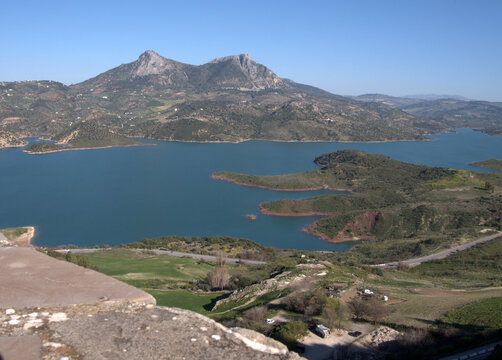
(120, 195)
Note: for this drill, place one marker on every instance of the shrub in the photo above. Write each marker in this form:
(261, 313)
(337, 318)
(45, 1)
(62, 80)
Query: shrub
(290, 333)
(308, 303)
(256, 313)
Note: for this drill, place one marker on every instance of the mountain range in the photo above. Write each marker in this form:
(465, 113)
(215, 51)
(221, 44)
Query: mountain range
(231, 98)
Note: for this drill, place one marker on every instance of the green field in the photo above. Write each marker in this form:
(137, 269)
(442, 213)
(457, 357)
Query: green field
(148, 271)
(176, 281)
(184, 299)
(485, 313)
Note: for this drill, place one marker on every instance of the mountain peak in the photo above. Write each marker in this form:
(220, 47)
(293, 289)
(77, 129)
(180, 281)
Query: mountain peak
(252, 74)
(150, 54)
(240, 58)
(150, 63)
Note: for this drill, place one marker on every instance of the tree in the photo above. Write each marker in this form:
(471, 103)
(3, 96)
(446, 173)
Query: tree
(219, 278)
(334, 314)
(308, 303)
(358, 307)
(489, 186)
(373, 310)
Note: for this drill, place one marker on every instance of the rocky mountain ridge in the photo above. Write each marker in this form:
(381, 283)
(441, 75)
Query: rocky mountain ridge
(231, 98)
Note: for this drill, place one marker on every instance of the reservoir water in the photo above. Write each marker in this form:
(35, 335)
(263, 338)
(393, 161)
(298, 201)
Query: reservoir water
(120, 195)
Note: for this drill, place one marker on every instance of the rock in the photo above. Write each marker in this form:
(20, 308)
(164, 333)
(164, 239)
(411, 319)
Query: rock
(57, 317)
(33, 323)
(91, 338)
(260, 342)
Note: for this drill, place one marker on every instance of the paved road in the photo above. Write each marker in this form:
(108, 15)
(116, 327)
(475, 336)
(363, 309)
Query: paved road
(211, 258)
(439, 255)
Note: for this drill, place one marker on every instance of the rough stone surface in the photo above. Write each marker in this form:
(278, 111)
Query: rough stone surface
(20, 347)
(29, 278)
(160, 333)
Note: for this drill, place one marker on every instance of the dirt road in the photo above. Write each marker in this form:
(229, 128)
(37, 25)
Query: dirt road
(440, 255)
(211, 258)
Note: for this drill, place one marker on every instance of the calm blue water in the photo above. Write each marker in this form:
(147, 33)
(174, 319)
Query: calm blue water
(122, 195)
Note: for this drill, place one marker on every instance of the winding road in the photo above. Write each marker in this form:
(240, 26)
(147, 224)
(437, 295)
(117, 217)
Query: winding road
(439, 255)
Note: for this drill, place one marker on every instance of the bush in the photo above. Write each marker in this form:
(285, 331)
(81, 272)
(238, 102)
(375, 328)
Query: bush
(372, 310)
(290, 333)
(308, 303)
(256, 313)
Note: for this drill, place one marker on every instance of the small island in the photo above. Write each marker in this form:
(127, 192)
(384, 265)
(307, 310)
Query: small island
(494, 164)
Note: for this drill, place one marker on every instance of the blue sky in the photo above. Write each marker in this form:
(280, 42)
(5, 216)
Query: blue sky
(346, 47)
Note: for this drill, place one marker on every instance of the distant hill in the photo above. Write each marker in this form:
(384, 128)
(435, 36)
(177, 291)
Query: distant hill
(227, 99)
(483, 115)
(430, 97)
(452, 112)
(392, 101)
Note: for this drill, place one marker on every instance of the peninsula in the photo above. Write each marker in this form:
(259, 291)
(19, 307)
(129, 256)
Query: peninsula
(402, 209)
(84, 135)
(494, 164)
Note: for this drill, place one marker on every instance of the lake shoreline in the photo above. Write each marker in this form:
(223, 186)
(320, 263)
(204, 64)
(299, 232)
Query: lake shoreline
(84, 148)
(239, 141)
(317, 188)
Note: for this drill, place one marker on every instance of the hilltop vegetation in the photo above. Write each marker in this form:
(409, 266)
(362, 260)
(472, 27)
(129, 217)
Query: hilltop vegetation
(91, 134)
(404, 210)
(240, 248)
(43, 147)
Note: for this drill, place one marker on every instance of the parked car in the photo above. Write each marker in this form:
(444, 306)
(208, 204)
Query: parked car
(270, 321)
(320, 330)
(355, 333)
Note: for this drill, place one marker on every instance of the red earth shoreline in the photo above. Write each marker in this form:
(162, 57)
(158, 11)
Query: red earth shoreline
(309, 229)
